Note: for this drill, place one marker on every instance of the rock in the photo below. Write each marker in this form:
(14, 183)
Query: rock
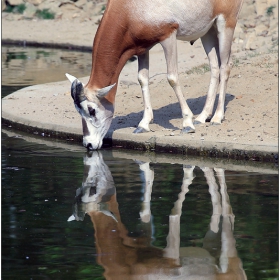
(261, 7)
(250, 42)
(87, 12)
(273, 28)
(272, 3)
(238, 33)
(29, 11)
(51, 6)
(15, 2)
(274, 38)
(261, 29)
(247, 11)
(69, 10)
(11, 16)
(99, 9)
(35, 2)
(81, 3)
(3, 2)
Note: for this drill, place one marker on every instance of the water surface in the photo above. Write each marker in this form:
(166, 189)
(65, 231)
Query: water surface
(22, 66)
(43, 186)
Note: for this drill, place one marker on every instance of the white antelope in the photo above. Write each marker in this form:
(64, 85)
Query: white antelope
(131, 27)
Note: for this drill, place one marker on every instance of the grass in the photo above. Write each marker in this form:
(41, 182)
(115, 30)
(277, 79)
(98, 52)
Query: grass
(45, 14)
(103, 8)
(201, 69)
(269, 10)
(235, 61)
(19, 9)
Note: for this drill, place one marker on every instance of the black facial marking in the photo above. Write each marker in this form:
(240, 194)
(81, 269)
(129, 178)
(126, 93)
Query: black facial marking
(85, 128)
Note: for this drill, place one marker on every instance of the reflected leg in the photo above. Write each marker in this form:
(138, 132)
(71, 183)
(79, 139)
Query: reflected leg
(145, 213)
(173, 238)
(230, 264)
(215, 197)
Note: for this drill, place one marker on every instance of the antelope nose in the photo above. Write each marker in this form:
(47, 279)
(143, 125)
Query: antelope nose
(89, 147)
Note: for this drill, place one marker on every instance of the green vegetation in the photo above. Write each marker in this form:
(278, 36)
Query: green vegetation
(199, 69)
(103, 9)
(235, 61)
(19, 9)
(269, 10)
(9, 9)
(45, 14)
(19, 55)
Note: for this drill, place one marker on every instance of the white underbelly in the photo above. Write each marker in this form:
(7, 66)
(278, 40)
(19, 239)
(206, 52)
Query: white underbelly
(189, 34)
(194, 18)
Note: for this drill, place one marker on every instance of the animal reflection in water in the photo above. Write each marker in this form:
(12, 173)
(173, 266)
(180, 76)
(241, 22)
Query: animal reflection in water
(125, 257)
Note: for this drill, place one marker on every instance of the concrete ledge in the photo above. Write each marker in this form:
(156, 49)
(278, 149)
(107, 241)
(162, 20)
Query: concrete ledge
(177, 144)
(47, 110)
(124, 138)
(65, 46)
(150, 156)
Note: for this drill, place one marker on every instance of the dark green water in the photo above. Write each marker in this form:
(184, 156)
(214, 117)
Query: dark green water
(40, 181)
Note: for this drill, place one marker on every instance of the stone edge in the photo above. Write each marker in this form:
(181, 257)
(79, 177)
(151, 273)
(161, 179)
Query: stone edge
(160, 144)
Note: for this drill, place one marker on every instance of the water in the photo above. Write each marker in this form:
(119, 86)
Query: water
(23, 66)
(129, 211)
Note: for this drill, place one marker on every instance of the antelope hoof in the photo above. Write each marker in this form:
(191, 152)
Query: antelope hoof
(140, 130)
(187, 129)
(215, 123)
(197, 122)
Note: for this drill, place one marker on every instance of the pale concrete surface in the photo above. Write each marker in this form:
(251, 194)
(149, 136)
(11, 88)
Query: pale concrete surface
(48, 109)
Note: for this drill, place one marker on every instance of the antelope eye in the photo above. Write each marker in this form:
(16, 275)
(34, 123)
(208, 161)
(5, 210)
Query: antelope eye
(91, 111)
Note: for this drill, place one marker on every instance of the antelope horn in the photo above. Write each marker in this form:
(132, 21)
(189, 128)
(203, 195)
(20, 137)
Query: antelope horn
(70, 77)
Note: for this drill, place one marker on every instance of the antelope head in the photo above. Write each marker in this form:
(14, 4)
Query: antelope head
(96, 112)
(97, 188)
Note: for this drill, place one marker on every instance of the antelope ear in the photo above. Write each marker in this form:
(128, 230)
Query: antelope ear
(71, 218)
(104, 91)
(77, 92)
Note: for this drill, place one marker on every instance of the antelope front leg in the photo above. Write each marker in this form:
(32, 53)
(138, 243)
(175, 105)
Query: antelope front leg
(170, 50)
(143, 78)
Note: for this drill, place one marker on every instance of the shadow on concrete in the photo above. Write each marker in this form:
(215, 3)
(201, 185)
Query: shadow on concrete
(163, 115)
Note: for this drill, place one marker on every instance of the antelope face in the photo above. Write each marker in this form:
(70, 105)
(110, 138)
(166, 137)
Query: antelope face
(97, 188)
(96, 112)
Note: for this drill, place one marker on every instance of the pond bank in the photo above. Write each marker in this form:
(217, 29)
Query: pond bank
(250, 130)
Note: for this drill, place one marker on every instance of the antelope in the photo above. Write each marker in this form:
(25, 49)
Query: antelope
(126, 257)
(131, 27)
